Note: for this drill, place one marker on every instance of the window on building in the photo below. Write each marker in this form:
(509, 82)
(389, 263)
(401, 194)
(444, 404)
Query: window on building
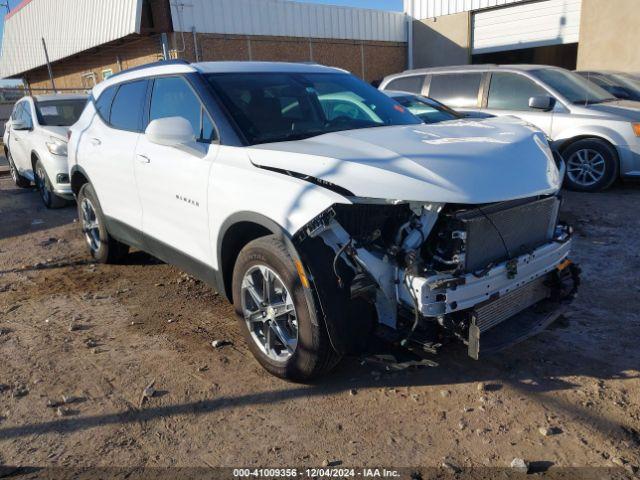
(173, 97)
(456, 89)
(103, 104)
(510, 91)
(407, 84)
(128, 105)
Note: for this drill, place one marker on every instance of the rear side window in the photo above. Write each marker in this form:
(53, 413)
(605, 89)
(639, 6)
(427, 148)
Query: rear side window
(407, 84)
(103, 104)
(173, 97)
(128, 105)
(456, 89)
(510, 91)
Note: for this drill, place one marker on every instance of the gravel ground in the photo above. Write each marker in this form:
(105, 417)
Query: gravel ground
(98, 335)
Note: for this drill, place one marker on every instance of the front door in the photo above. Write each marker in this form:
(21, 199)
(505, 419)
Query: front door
(173, 181)
(509, 94)
(19, 140)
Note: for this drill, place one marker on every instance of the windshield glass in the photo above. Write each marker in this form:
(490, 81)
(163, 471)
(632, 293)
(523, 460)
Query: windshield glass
(427, 110)
(627, 81)
(573, 87)
(276, 107)
(59, 113)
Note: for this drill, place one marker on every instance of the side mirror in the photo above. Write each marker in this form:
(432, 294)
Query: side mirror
(542, 102)
(19, 125)
(170, 131)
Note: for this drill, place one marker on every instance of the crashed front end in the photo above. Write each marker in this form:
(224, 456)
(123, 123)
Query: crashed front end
(430, 273)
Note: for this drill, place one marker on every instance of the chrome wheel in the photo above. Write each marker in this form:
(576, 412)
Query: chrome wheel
(41, 184)
(90, 225)
(586, 167)
(269, 312)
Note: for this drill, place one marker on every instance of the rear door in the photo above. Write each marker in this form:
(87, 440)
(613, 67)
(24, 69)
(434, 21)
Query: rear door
(107, 150)
(461, 91)
(509, 94)
(173, 182)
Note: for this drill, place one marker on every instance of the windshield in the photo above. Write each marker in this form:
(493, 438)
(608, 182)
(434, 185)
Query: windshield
(427, 110)
(573, 87)
(276, 107)
(628, 81)
(59, 113)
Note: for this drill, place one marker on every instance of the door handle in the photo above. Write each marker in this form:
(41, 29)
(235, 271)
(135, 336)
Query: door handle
(143, 158)
(95, 142)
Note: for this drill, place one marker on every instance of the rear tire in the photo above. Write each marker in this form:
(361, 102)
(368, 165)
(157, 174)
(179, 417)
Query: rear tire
(310, 354)
(592, 165)
(102, 246)
(18, 179)
(50, 199)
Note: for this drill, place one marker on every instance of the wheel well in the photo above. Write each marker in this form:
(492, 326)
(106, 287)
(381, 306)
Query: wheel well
(77, 180)
(235, 239)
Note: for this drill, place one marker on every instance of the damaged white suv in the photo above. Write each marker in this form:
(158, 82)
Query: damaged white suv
(323, 209)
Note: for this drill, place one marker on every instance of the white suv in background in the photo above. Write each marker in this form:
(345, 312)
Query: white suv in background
(598, 134)
(35, 144)
(320, 222)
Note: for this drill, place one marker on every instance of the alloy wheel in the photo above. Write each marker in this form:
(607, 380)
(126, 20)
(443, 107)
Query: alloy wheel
(90, 225)
(269, 312)
(41, 184)
(586, 167)
(12, 168)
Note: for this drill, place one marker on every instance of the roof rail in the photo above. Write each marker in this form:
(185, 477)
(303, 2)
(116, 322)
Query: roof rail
(160, 63)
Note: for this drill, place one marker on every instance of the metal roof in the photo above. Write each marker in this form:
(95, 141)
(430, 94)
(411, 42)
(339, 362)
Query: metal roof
(422, 9)
(67, 26)
(287, 18)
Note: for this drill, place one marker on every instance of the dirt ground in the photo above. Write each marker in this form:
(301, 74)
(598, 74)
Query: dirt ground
(101, 334)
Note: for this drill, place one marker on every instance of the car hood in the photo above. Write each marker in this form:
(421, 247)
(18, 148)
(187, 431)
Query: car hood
(52, 131)
(627, 109)
(461, 161)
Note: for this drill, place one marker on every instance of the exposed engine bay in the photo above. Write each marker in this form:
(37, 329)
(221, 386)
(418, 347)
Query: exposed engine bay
(433, 272)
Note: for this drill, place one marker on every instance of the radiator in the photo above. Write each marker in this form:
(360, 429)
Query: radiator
(496, 231)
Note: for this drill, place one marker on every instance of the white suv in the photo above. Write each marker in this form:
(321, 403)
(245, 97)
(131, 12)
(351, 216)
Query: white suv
(35, 144)
(320, 223)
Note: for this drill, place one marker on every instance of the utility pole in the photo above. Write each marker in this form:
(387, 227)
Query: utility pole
(46, 56)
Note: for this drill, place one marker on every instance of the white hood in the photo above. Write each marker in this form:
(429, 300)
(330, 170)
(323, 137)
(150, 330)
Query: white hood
(462, 161)
(53, 131)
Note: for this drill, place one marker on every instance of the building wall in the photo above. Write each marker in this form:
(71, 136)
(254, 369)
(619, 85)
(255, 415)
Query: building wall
(421, 9)
(370, 60)
(609, 35)
(72, 72)
(441, 41)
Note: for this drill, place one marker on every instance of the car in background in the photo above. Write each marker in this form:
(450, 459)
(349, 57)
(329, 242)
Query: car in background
(321, 208)
(598, 134)
(429, 110)
(35, 144)
(621, 85)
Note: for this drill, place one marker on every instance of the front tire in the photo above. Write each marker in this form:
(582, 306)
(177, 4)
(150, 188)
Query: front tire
(18, 179)
(278, 324)
(592, 165)
(102, 246)
(50, 199)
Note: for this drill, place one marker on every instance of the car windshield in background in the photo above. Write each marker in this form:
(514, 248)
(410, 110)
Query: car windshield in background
(277, 107)
(573, 87)
(59, 113)
(427, 110)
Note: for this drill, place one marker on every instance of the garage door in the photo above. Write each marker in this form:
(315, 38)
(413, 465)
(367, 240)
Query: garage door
(536, 24)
